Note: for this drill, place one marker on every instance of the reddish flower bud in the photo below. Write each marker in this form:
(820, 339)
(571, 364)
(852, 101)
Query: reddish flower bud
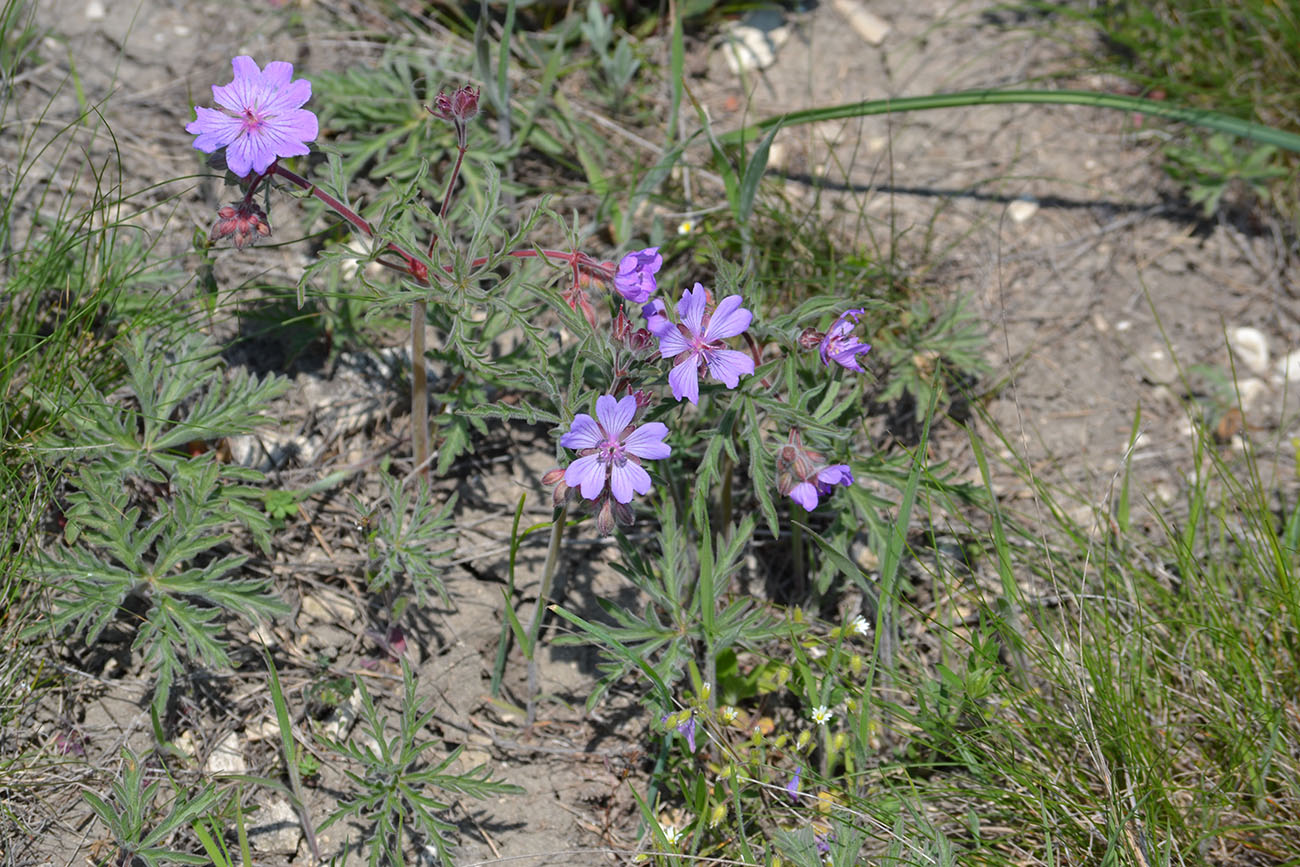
(240, 222)
(810, 339)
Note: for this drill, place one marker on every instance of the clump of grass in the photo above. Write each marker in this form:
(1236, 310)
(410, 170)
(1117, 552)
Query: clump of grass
(1239, 57)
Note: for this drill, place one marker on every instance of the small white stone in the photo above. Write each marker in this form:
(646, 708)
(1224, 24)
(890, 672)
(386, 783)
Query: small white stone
(181, 30)
(871, 27)
(1022, 209)
(275, 828)
(747, 49)
(227, 757)
(185, 743)
(1288, 368)
(95, 11)
(1123, 325)
(1250, 346)
(1251, 390)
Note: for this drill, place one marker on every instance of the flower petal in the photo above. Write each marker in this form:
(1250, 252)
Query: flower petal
(646, 442)
(615, 415)
(804, 493)
(728, 366)
(584, 433)
(587, 474)
(728, 320)
(214, 129)
(685, 380)
(836, 474)
(627, 477)
(673, 343)
(690, 310)
(277, 74)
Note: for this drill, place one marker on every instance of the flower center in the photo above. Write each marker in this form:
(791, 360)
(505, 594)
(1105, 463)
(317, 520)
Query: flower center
(611, 451)
(253, 121)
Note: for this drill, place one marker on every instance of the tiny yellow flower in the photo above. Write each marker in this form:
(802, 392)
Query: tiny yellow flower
(685, 227)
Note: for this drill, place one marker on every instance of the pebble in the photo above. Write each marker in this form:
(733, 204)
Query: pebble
(751, 44)
(277, 830)
(1250, 347)
(1250, 391)
(1158, 366)
(1288, 368)
(871, 27)
(1022, 209)
(95, 11)
(227, 757)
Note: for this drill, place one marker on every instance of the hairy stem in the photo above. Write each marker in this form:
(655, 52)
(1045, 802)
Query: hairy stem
(419, 388)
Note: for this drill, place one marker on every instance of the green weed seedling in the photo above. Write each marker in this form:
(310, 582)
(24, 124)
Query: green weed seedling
(131, 815)
(399, 792)
(147, 523)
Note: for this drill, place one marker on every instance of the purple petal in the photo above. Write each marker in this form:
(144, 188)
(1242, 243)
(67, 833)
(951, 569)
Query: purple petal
(584, 433)
(690, 310)
(656, 322)
(214, 129)
(615, 415)
(627, 477)
(836, 474)
(728, 320)
(685, 380)
(646, 442)
(673, 343)
(728, 366)
(588, 474)
(243, 154)
(804, 493)
(277, 74)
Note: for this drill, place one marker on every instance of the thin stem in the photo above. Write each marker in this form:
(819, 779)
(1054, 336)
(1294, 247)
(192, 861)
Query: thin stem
(724, 511)
(446, 197)
(796, 545)
(419, 387)
(539, 613)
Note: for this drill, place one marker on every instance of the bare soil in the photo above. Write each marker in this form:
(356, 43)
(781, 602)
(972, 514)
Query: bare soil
(1055, 223)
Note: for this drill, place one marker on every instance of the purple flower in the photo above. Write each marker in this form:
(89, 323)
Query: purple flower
(792, 787)
(802, 474)
(840, 346)
(697, 343)
(635, 279)
(656, 322)
(807, 493)
(685, 728)
(260, 120)
(611, 450)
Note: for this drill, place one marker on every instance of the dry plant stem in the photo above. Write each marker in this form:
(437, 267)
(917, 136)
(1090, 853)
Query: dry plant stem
(543, 594)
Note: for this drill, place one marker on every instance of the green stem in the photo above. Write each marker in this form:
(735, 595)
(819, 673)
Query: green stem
(419, 388)
(539, 613)
(1153, 108)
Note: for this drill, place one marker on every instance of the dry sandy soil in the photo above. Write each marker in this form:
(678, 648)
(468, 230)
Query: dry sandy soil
(1055, 223)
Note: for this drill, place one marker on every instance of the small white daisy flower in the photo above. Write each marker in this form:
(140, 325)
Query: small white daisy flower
(727, 713)
(860, 626)
(672, 834)
(822, 714)
(816, 651)
(685, 227)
